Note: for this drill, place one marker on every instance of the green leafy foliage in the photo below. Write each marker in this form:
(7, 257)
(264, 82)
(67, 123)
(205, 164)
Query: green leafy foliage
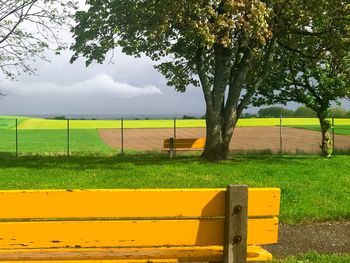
(313, 71)
(182, 31)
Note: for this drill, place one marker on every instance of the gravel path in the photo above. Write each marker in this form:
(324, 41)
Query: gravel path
(332, 237)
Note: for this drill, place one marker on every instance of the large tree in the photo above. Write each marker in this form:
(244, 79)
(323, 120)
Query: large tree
(226, 47)
(315, 73)
(27, 28)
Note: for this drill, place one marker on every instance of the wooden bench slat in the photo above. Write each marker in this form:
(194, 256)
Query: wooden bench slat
(185, 140)
(131, 203)
(15, 235)
(133, 255)
(192, 143)
(98, 261)
(184, 150)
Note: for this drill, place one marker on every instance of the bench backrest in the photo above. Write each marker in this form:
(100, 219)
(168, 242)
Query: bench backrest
(193, 143)
(129, 218)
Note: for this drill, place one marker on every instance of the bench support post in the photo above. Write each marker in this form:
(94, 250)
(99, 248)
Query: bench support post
(171, 148)
(236, 221)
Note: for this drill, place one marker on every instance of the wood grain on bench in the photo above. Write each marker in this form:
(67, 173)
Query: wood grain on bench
(156, 225)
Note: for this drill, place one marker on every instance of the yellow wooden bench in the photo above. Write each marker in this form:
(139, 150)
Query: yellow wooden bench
(193, 144)
(180, 225)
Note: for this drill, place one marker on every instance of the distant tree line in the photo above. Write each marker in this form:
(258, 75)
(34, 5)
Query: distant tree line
(301, 112)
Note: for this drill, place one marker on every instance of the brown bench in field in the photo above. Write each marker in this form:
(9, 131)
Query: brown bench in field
(179, 225)
(194, 144)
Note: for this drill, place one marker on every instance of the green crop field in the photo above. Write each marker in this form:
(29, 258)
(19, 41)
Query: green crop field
(339, 129)
(313, 189)
(52, 142)
(10, 122)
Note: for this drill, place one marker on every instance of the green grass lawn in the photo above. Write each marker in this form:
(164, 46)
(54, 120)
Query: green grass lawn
(313, 188)
(316, 258)
(36, 123)
(53, 142)
(339, 129)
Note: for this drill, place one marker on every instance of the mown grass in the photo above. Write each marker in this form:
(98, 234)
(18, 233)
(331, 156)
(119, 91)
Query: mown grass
(313, 189)
(53, 142)
(36, 123)
(316, 258)
(339, 129)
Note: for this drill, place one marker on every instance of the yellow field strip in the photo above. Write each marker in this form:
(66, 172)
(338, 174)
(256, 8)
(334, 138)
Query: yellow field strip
(35, 123)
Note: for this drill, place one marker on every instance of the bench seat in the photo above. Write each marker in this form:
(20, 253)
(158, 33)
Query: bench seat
(160, 254)
(151, 225)
(181, 145)
(185, 149)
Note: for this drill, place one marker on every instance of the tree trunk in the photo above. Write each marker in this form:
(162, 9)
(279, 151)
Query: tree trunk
(216, 147)
(326, 143)
(221, 115)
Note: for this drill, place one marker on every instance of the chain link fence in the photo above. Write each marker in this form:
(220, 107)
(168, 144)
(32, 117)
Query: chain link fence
(110, 137)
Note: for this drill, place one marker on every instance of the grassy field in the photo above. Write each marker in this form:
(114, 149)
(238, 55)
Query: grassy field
(35, 123)
(313, 189)
(315, 258)
(53, 142)
(339, 129)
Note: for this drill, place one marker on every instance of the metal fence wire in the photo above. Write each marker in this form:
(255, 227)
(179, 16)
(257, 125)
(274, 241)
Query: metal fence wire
(74, 137)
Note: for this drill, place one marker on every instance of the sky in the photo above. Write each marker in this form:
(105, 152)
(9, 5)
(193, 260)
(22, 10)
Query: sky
(128, 86)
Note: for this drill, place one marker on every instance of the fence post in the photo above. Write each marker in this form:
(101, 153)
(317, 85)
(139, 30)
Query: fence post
(333, 134)
(68, 138)
(236, 221)
(174, 149)
(17, 153)
(122, 136)
(281, 134)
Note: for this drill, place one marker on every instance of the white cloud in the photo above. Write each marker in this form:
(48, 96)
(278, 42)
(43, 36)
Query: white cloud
(99, 85)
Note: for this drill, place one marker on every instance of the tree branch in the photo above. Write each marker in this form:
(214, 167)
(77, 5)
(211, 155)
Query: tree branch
(203, 78)
(268, 60)
(295, 50)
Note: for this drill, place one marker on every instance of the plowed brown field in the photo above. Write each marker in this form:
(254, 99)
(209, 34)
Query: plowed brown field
(245, 139)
